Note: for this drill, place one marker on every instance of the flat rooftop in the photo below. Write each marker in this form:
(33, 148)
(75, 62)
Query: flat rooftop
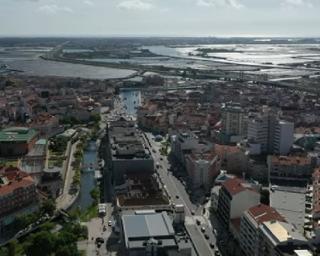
(279, 232)
(21, 134)
(141, 227)
(290, 203)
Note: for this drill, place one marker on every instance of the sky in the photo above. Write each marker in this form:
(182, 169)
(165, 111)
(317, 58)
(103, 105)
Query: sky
(293, 18)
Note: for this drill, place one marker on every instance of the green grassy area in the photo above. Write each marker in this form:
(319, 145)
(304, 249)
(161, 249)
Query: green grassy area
(165, 148)
(89, 213)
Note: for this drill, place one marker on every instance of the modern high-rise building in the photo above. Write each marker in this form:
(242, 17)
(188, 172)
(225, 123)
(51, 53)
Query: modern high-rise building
(233, 122)
(268, 134)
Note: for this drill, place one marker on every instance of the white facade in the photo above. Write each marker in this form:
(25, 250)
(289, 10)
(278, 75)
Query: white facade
(258, 132)
(235, 199)
(283, 137)
(272, 135)
(242, 202)
(215, 197)
(202, 171)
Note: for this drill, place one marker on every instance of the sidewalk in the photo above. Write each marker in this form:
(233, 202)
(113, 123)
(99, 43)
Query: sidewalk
(65, 200)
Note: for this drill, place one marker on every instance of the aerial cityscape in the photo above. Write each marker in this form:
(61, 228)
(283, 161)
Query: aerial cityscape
(144, 135)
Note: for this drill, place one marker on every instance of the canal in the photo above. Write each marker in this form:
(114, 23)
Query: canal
(88, 182)
(130, 100)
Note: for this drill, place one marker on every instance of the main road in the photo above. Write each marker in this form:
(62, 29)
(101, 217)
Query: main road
(179, 196)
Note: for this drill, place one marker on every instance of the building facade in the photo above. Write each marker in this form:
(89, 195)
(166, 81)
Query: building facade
(233, 122)
(249, 226)
(202, 168)
(235, 197)
(17, 141)
(289, 168)
(17, 193)
(268, 134)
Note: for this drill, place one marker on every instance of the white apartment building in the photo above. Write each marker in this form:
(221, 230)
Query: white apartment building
(202, 168)
(235, 197)
(282, 137)
(249, 226)
(267, 134)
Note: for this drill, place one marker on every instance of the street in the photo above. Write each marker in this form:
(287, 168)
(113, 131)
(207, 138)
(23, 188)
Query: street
(179, 195)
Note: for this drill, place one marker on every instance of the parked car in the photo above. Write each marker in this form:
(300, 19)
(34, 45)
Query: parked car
(212, 245)
(203, 229)
(99, 240)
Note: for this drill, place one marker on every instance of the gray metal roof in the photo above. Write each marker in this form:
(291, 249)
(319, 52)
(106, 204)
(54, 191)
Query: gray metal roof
(148, 225)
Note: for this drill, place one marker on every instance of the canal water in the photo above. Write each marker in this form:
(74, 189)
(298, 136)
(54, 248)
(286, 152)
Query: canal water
(131, 100)
(88, 182)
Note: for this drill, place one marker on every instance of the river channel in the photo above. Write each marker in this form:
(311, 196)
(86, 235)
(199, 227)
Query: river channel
(130, 100)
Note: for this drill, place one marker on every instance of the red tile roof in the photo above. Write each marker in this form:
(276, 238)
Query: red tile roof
(16, 179)
(223, 150)
(234, 186)
(262, 213)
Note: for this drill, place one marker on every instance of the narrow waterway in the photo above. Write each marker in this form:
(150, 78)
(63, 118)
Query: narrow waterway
(130, 100)
(88, 181)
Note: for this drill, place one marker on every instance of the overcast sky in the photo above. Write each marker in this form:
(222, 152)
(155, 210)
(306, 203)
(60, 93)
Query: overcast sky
(160, 17)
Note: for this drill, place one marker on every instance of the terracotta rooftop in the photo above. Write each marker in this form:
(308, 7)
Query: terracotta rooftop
(261, 213)
(235, 186)
(16, 179)
(222, 150)
(290, 160)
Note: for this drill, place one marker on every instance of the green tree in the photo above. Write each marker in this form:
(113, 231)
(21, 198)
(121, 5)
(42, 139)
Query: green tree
(4, 251)
(48, 206)
(12, 248)
(40, 244)
(95, 194)
(67, 250)
(95, 118)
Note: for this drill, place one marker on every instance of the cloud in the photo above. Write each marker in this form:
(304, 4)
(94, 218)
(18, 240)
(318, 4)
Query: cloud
(220, 3)
(297, 3)
(53, 9)
(88, 2)
(135, 5)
